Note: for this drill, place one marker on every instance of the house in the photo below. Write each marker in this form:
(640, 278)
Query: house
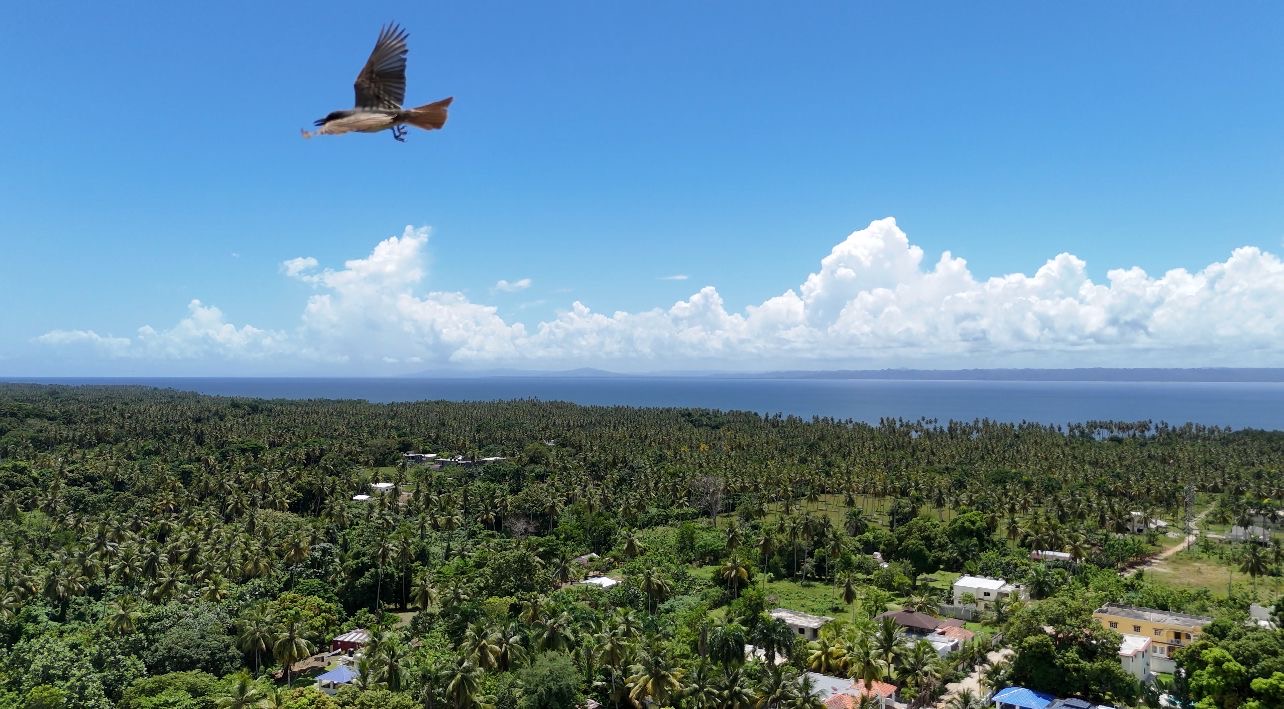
(753, 652)
(1252, 533)
(840, 692)
(418, 457)
(1140, 523)
(883, 692)
(985, 590)
(361, 498)
(1167, 631)
(1134, 655)
(1022, 698)
(804, 624)
(921, 626)
(599, 581)
(1049, 555)
(330, 682)
(382, 487)
(1262, 616)
(350, 641)
(586, 559)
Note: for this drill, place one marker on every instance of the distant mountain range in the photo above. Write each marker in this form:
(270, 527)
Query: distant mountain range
(1149, 374)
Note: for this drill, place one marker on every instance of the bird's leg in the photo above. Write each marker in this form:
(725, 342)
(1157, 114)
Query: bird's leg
(399, 133)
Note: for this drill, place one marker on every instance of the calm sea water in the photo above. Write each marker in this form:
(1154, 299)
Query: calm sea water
(1239, 405)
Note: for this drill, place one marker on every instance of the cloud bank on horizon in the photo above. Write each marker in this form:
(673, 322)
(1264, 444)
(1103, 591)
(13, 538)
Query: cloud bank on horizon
(872, 302)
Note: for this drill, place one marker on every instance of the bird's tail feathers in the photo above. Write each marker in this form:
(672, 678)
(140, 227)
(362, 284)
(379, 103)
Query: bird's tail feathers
(429, 116)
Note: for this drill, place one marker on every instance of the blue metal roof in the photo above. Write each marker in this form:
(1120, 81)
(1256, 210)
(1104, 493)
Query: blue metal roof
(339, 675)
(1026, 698)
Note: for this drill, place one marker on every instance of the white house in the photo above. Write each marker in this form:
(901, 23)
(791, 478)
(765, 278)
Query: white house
(804, 624)
(381, 487)
(601, 582)
(985, 590)
(1049, 555)
(1139, 523)
(1134, 655)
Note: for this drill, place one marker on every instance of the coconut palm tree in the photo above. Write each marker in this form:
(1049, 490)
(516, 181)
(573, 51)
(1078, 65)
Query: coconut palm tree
(654, 678)
(256, 635)
(654, 586)
(734, 574)
(243, 694)
(1254, 562)
(290, 645)
(865, 661)
(122, 615)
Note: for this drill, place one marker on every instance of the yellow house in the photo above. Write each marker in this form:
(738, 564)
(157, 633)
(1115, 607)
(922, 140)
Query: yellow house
(1168, 632)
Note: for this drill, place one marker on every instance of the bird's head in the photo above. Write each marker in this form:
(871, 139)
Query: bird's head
(333, 115)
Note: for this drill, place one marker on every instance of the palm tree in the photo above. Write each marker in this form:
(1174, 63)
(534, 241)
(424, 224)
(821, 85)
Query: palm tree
(122, 616)
(274, 698)
(393, 671)
(727, 644)
(734, 573)
(732, 691)
(463, 684)
(889, 639)
(506, 644)
(477, 648)
(654, 678)
(825, 655)
(774, 636)
(966, 699)
(865, 661)
(256, 635)
(632, 547)
(243, 694)
(424, 594)
(654, 586)
(1254, 563)
(290, 645)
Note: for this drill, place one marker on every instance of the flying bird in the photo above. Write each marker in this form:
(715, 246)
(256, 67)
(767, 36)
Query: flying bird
(380, 89)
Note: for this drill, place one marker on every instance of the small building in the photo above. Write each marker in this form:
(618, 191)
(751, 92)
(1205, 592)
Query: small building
(1134, 655)
(985, 590)
(1168, 632)
(586, 559)
(917, 623)
(1262, 616)
(753, 652)
(804, 624)
(1049, 555)
(1251, 533)
(599, 581)
(382, 487)
(419, 457)
(1072, 703)
(492, 459)
(361, 498)
(1139, 523)
(330, 682)
(1022, 698)
(350, 641)
(883, 692)
(840, 692)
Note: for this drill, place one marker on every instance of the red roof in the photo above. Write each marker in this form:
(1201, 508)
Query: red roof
(950, 631)
(851, 698)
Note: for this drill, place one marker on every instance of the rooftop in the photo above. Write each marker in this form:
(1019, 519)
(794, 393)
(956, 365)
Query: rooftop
(1133, 644)
(913, 619)
(1072, 703)
(602, 581)
(1022, 697)
(360, 636)
(798, 619)
(981, 582)
(1151, 615)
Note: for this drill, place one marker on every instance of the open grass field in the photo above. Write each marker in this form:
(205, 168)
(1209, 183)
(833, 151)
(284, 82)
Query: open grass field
(1195, 568)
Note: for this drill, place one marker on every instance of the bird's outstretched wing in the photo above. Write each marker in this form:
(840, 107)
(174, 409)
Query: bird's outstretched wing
(382, 81)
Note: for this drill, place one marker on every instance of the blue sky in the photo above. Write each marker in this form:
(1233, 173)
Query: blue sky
(151, 157)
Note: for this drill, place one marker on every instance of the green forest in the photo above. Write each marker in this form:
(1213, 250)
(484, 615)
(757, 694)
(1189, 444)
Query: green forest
(167, 549)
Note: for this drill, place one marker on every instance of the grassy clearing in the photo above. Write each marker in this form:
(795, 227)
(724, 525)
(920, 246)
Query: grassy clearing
(1195, 568)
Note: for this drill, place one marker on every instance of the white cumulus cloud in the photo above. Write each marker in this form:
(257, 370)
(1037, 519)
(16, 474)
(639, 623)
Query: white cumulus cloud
(504, 286)
(674, 277)
(874, 300)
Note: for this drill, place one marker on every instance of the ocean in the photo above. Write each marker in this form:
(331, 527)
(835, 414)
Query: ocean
(1234, 404)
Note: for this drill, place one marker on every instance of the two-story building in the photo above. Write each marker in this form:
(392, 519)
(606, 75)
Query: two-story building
(1167, 631)
(807, 626)
(984, 591)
